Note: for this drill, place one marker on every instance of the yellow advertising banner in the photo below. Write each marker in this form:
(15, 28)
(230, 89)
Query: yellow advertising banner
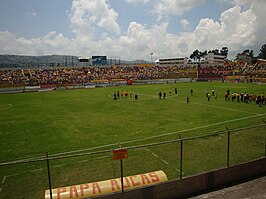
(107, 186)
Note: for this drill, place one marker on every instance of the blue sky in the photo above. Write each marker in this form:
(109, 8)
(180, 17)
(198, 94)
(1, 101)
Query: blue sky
(130, 29)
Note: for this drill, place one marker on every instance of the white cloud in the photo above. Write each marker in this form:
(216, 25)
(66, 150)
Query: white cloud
(88, 15)
(245, 3)
(237, 29)
(138, 1)
(51, 43)
(175, 7)
(185, 24)
(33, 13)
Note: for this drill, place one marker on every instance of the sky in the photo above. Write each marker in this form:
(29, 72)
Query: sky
(130, 29)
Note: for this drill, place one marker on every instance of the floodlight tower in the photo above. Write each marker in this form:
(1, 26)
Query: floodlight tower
(151, 57)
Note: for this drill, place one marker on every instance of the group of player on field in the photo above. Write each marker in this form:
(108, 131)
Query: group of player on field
(118, 94)
(234, 96)
(245, 97)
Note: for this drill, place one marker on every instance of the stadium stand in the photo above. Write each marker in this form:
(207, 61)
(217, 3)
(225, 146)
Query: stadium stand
(83, 75)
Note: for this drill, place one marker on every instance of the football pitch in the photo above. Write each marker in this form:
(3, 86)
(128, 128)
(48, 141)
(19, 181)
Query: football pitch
(67, 122)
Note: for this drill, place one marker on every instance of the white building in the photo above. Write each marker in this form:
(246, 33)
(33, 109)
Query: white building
(171, 61)
(211, 58)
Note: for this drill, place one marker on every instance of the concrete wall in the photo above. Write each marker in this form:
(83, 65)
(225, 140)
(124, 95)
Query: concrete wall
(196, 184)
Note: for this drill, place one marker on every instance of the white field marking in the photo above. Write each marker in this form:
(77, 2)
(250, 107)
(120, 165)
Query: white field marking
(83, 161)
(164, 161)
(5, 177)
(155, 155)
(139, 149)
(36, 170)
(9, 106)
(230, 87)
(146, 149)
(60, 165)
(223, 108)
(102, 157)
(191, 129)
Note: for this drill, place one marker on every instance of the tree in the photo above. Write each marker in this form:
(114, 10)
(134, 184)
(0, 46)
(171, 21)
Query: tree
(262, 54)
(216, 51)
(224, 51)
(251, 54)
(195, 55)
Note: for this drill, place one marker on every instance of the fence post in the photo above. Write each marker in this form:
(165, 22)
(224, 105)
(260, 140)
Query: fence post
(49, 176)
(228, 146)
(181, 157)
(121, 166)
(121, 170)
(264, 141)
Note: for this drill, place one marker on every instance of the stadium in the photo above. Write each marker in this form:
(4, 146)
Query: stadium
(60, 126)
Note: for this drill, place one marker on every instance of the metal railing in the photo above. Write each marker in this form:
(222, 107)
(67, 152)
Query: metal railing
(176, 156)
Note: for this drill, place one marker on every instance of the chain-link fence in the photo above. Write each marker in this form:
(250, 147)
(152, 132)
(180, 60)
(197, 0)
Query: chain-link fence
(177, 158)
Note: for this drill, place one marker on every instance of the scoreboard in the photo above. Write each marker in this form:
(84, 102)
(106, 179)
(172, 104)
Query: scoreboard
(99, 60)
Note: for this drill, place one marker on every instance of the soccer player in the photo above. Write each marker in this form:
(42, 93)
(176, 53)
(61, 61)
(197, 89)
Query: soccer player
(160, 95)
(136, 96)
(115, 96)
(191, 92)
(188, 100)
(213, 92)
(208, 96)
(164, 95)
(226, 97)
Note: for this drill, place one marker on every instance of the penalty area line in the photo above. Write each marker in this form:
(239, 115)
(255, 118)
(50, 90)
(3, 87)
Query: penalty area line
(61, 165)
(83, 161)
(5, 177)
(36, 170)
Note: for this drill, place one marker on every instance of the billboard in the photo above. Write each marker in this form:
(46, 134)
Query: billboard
(99, 60)
(92, 189)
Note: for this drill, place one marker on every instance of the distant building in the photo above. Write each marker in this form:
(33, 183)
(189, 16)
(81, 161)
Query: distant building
(261, 61)
(171, 61)
(84, 59)
(245, 57)
(212, 58)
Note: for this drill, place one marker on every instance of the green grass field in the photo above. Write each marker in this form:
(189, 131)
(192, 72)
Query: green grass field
(87, 120)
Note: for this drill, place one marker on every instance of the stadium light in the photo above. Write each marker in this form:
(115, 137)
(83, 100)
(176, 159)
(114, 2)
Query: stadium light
(151, 57)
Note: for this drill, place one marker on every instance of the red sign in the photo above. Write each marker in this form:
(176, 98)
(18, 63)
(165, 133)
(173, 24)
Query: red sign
(119, 154)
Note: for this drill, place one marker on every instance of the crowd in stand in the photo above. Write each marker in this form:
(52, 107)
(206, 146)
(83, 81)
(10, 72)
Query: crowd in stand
(80, 75)
(88, 74)
(221, 71)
